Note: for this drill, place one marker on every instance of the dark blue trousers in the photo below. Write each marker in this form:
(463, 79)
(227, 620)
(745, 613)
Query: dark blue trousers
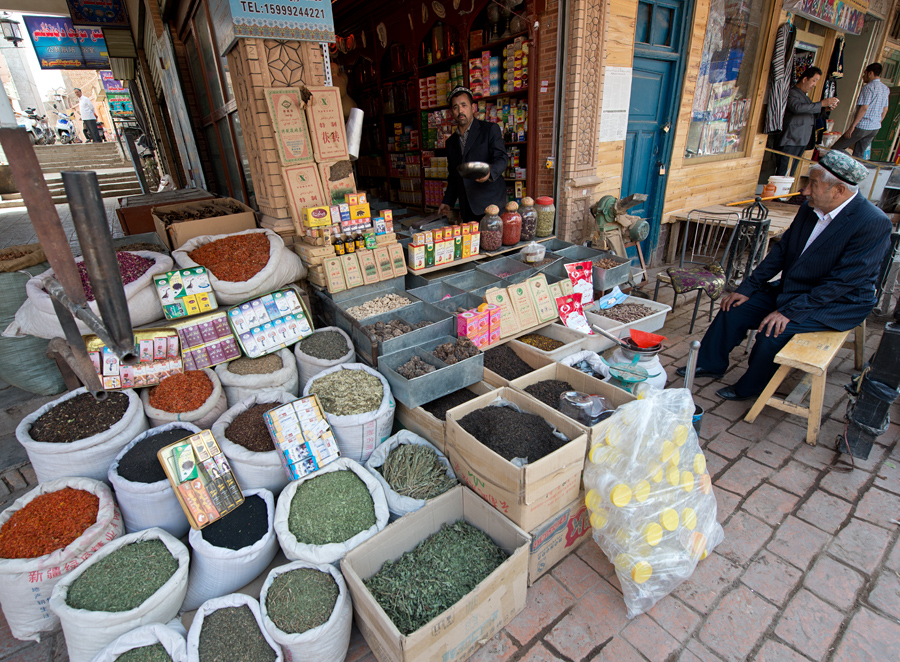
(729, 329)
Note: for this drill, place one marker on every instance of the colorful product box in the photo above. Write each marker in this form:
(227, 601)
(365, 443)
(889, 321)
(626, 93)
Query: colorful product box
(316, 217)
(267, 335)
(185, 292)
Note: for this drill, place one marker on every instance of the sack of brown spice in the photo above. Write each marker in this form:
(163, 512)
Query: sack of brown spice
(236, 635)
(146, 503)
(27, 582)
(246, 377)
(80, 432)
(249, 270)
(88, 632)
(171, 642)
(328, 633)
(253, 457)
(37, 316)
(424, 476)
(186, 397)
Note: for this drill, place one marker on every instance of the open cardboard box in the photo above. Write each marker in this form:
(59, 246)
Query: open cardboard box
(525, 352)
(464, 627)
(527, 495)
(177, 234)
(556, 538)
(427, 425)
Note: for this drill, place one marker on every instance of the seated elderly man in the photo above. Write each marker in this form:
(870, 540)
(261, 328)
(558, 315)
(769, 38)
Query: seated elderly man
(829, 259)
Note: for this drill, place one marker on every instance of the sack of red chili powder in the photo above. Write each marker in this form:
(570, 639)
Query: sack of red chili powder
(37, 317)
(254, 460)
(241, 265)
(26, 583)
(172, 641)
(186, 397)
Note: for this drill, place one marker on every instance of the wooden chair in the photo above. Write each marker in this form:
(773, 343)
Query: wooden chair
(811, 353)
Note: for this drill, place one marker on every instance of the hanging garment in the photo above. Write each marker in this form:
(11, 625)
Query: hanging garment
(836, 65)
(780, 76)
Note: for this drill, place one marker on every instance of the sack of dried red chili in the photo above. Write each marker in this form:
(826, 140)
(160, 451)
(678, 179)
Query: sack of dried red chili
(242, 265)
(37, 317)
(78, 440)
(62, 521)
(194, 396)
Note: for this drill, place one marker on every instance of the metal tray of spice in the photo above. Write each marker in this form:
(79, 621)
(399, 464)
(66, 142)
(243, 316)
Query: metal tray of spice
(513, 271)
(442, 323)
(444, 380)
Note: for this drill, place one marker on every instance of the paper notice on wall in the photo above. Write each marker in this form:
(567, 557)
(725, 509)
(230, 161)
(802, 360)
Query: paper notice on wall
(616, 101)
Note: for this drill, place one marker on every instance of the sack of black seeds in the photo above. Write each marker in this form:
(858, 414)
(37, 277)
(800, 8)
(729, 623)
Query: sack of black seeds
(327, 512)
(423, 480)
(241, 380)
(157, 635)
(203, 417)
(87, 632)
(89, 456)
(237, 635)
(252, 454)
(297, 611)
(37, 317)
(143, 492)
(222, 561)
(26, 583)
(323, 350)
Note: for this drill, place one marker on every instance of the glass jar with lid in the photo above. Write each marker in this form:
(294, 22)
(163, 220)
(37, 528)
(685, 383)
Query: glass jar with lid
(512, 224)
(529, 219)
(491, 228)
(546, 216)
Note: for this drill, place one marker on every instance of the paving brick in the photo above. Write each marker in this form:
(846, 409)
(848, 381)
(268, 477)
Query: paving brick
(675, 617)
(743, 476)
(726, 503)
(618, 650)
(797, 542)
(547, 599)
(714, 463)
(817, 457)
(739, 621)
(539, 653)
(888, 477)
(787, 434)
(41, 652)
(711, 577)
(753, 431)
(728, 445)
(834, 582)
(809, 624)
(598, 616)
(591, 554)
(4, 489)
(650, 639)
(845, 485)
(769, 453)
(770, 504)
(893, 560)
(696, 651)
(825, 511)
(869, 637)
(15, 480)
(498, 649)
(744, 535)
(795, 477)
(773, 651)
(771, 577)
(28, 474)
(879, 507)
(886, 594)
(731, 410)
(860, 545)
(876, 455)
(576, 575)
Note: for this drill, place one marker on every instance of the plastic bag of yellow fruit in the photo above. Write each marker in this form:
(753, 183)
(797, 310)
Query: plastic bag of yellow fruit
(650, 498)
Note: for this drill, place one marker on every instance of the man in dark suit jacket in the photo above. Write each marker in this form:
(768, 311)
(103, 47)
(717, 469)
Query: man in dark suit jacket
(829, 260)
(474, 140)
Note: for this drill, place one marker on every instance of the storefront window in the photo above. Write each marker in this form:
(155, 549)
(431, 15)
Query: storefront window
(727, 79)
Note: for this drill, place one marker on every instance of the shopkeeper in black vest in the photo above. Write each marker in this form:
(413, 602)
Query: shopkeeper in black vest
(473, 140)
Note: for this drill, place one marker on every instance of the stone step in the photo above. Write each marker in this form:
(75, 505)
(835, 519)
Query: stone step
(13, 203)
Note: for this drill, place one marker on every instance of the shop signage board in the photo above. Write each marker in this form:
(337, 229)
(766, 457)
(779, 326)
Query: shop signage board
(326, 122)
(99, 13)
(844, 15)
(120, 105)
(110, 84)
(300, 20)
(59, 44)
(289, 125)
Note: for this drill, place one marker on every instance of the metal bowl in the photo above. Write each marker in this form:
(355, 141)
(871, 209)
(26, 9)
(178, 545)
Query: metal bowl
(473, 169)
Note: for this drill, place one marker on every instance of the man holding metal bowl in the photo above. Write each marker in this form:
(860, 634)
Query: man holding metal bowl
(477, 159)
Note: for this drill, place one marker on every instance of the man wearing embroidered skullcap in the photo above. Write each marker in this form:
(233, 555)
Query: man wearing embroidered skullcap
(829, 260)
(473, 140)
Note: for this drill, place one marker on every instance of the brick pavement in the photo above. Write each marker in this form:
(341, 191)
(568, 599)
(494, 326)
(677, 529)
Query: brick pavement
(809, 568)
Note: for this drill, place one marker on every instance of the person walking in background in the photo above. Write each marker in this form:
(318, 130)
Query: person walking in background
(800, 118)
(88, 117)
(871, 107)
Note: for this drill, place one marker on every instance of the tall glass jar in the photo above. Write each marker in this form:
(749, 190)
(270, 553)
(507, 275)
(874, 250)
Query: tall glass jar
(512, 224)
(491, 229)
(529, 219)
(546, 216)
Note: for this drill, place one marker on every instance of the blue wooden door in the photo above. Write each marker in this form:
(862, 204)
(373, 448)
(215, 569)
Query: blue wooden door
(657, 73)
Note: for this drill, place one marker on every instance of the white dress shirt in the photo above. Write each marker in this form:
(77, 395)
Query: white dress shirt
(824, 220)
(87, 108)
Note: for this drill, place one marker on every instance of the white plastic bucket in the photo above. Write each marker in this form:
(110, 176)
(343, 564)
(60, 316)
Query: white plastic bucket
(782, 184)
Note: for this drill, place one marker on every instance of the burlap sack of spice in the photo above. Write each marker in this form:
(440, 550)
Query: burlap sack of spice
(21, 257)
(253, 469)
(240, 387)
(37, 316)
(328, 641)
(89, 632)
(156, 633)
(90, 456)
(26, 584)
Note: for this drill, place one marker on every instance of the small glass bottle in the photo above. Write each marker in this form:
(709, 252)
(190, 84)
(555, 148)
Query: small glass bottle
(529, 219)
(349, 243)
(546, 216)
(512, 224)
(360, 241)
(491, 228)
(338, 244)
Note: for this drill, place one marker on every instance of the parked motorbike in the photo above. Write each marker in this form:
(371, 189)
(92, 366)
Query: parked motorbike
(65, 128)
(31, 122)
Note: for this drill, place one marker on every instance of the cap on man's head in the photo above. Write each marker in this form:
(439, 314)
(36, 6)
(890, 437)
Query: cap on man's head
(459, 89)
(844, 167)
(78, 89)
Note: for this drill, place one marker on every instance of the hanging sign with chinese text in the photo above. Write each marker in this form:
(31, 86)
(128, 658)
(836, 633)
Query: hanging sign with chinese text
(326, 123)
(300, 20)
(99, 13)
(844, 15)
(289, 125)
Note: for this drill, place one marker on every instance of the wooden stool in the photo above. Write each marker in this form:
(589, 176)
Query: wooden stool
(811, 353)
(858, 345)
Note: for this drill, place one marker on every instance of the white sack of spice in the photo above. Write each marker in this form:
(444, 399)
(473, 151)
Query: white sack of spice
(226, 601)
(37, 317)
(203, 417)
(242, 385)
(171, 640)
(284, 266)
(310, 365)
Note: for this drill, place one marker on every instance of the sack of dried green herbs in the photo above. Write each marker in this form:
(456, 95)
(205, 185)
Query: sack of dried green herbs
(360, 511)
(322, 350)
(91, 455)
(236, 636)
(253, 468)
(87, 631)
(203, 416)
(411, 471)
(309, 613)
(217, 571)
(242, 380)
(163, 638)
